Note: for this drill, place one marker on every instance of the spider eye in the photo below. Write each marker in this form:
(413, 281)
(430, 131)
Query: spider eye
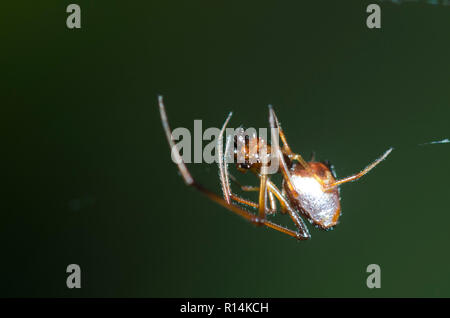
(244, 166)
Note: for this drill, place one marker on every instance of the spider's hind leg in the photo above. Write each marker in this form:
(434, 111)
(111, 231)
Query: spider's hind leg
(361, 173)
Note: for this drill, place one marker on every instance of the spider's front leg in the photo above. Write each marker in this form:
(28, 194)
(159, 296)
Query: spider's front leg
(223, 169)
(187, 177)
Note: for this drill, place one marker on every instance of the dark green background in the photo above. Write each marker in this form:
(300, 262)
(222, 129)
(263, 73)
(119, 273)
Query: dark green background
(87, 173)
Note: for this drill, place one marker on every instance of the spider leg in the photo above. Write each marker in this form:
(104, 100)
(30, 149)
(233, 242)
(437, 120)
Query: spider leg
(283, 208)
(285, 205)
(262, 196)
(246, 188)
(294, 156)
(286, 148)
(223, 168)
(189, 180)
(273, 203)
(279, 155)
(361, 173)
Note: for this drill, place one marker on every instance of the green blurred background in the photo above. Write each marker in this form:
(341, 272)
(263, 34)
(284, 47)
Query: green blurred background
(87, 173)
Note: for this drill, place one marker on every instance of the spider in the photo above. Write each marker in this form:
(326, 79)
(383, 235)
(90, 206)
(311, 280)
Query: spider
(309, 189)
